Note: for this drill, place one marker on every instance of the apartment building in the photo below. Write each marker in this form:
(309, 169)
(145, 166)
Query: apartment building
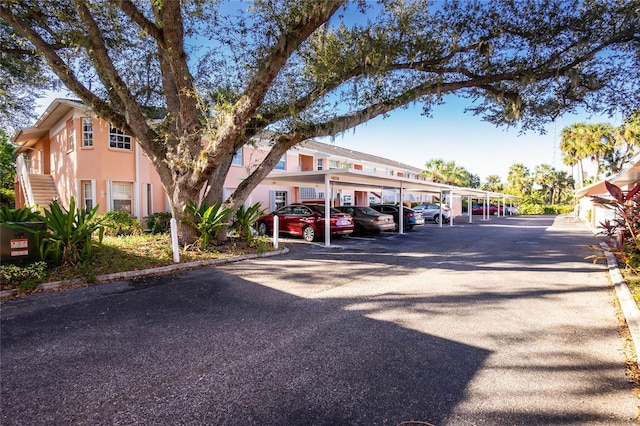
(70, 152)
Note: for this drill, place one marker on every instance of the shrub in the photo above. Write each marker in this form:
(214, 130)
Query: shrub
(558, 209)
(530, 208)
(207, 221)
(244, 220)
(68, 237)
(159, 223)
(8, 214)
(24, 277)
(7, 197)
(117, 222)
(625, 227)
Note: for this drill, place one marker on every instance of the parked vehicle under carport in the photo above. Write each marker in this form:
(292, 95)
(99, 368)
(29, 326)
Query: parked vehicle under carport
(367, 219)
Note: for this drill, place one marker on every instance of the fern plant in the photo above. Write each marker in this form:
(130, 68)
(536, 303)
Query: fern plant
(207, 221)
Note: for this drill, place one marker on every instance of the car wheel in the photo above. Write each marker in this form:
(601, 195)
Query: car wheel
(262, 228)
(436, 219)
(309, 234)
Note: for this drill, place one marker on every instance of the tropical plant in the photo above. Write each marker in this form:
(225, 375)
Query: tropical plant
(68, 237)
(206, 221)
(244, 220)
(624, 228)
(8, 214)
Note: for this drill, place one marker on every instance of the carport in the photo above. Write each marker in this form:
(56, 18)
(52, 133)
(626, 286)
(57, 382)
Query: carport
(328, 180)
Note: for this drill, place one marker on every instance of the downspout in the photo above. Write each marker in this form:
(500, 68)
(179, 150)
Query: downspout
(136, 187)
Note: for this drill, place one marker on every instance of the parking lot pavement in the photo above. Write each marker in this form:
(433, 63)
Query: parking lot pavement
(502, 322)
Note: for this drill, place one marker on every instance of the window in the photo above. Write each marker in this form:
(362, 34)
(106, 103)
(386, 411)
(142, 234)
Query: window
(320, 163)
(278, 199)
(346, 200)
(71, 135)
(87, 132)
(122, 197)
(281, 164)
(87, 194)
(237, 158)
(333, 164)
(117, 139)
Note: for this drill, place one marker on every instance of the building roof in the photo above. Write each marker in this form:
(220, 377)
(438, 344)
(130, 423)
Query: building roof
(349, 154)
(26, 137)
(628, 176)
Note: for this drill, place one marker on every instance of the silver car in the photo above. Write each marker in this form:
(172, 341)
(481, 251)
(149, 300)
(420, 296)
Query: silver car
(432, 212)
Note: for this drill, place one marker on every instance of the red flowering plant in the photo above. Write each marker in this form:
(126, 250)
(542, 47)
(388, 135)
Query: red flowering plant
(624, 228)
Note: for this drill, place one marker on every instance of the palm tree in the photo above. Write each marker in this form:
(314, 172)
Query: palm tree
(572, 149)
(435, 170)
(493, 184)
(519, 180)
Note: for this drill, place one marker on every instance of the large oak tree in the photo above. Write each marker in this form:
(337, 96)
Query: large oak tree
(226, 71)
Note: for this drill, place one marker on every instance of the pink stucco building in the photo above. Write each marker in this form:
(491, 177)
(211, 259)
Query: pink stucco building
(69, 152)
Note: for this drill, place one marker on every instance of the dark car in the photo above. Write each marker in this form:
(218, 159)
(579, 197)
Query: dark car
(411, 217)
(307, 221)
(367, 219)
(432, 212)
(492, 209)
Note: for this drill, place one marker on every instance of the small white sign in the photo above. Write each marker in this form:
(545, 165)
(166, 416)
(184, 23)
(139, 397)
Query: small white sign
(18, 244)
(19, 252)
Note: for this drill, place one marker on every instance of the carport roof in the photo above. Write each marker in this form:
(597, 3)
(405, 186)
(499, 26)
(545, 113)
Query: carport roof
(362, 180)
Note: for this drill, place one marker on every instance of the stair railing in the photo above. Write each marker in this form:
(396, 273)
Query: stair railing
(23, 174)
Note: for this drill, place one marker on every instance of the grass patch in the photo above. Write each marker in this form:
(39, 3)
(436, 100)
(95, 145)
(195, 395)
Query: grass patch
(633, 282)
(137, 252)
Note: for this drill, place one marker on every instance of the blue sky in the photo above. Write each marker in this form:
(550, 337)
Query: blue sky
(450, 134)
(453, 135)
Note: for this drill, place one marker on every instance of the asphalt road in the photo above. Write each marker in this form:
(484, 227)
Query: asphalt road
(500, 322)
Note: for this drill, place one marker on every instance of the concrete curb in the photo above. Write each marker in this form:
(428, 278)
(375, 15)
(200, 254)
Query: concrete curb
(627, 303)
(125, 275)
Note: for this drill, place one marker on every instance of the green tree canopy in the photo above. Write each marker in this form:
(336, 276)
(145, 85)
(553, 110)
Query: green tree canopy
(7, 162)
(228, 71)
(440, 171)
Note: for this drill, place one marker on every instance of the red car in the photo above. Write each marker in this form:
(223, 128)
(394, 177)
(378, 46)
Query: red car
(492, 209)
(307, 221)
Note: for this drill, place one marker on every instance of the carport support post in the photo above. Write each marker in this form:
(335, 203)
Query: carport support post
(469, 209)
(485, 211)
(276, 230)
(441, 202)
(327, 211)
(450, 208)
(401, 213)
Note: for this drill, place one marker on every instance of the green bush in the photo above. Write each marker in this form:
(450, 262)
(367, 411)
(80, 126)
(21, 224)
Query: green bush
(159, 223)
(68, 237)
(207, 221)
(530, 208)
(244, 219)
(24, 277)
(7, 197)
(558, 209)
(117, 222)
(8, 214)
